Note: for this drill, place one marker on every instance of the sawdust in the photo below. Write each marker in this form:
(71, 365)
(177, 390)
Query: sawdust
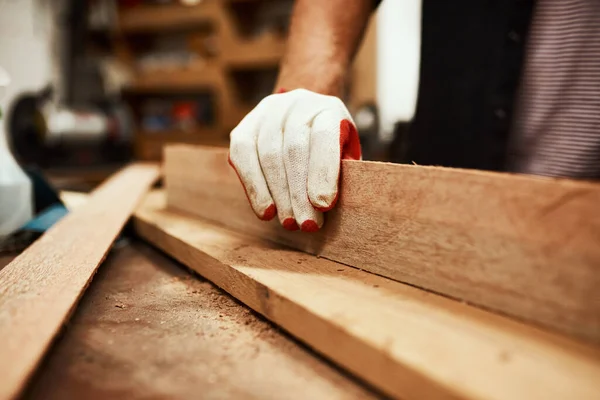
(177, 336)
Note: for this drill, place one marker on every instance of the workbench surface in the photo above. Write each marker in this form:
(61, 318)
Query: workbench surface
(147, 328)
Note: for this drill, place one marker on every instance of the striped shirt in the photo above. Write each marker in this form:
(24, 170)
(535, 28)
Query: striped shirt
(556, 130)
(508, 85)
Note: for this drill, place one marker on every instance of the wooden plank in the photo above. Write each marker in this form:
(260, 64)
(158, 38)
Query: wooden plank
(73, 200)
(41, 287)
(149, 329)
(199, 76)
(408, 342)
(525, 246)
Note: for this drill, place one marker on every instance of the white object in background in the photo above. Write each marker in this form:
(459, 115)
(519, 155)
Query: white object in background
(16, 197)
(398, 60)
(69, 125)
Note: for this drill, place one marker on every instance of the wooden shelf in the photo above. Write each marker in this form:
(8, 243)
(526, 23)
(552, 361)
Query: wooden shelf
(155, 18)
(267, 50)
(206, 76)
(235, 113)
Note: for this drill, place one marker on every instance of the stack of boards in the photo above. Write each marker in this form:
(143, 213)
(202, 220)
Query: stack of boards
(425, 282)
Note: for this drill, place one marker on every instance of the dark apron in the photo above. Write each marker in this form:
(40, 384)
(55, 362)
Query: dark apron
(472, 53)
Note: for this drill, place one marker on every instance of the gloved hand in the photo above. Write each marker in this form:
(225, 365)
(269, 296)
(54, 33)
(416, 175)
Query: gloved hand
(287, 153)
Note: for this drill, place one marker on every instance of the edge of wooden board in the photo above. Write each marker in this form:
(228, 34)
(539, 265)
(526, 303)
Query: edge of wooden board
(407, 342)
(524, 246)
(42, 286)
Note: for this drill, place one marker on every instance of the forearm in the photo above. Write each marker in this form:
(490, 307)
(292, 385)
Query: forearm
(324, 37)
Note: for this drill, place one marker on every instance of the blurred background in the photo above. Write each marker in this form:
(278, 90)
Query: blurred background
(97, 83)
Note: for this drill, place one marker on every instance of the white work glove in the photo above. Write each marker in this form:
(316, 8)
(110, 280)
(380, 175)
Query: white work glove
(287, 153)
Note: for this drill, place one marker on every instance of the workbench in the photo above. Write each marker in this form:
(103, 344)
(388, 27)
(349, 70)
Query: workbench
(148, 328)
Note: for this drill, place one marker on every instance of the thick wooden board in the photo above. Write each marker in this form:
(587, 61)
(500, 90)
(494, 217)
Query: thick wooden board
(73, 200)
(408, 342)
(525, 246)
(41, 287)
(148, 329)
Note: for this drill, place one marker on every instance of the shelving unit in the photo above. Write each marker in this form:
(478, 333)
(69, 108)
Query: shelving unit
(212, 73)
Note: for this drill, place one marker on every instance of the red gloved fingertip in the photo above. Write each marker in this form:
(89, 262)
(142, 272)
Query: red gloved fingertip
(349, 141)
(330, 206)
(349, 150)
(309, 226)
(290, 224)
(269, 213)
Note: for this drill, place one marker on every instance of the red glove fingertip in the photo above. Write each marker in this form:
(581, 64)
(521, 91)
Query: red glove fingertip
(349, 141)
(309, 226)
(349, 150)
(290, 224)
(330, 206)
(270, 212)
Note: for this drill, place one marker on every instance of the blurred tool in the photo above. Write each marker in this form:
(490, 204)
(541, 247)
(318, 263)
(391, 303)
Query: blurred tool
(43, 133)
(15, 187)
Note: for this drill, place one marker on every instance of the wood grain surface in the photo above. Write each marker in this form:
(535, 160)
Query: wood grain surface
(410, 343)
(148, 329)
(525, 246)
(41, 287)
